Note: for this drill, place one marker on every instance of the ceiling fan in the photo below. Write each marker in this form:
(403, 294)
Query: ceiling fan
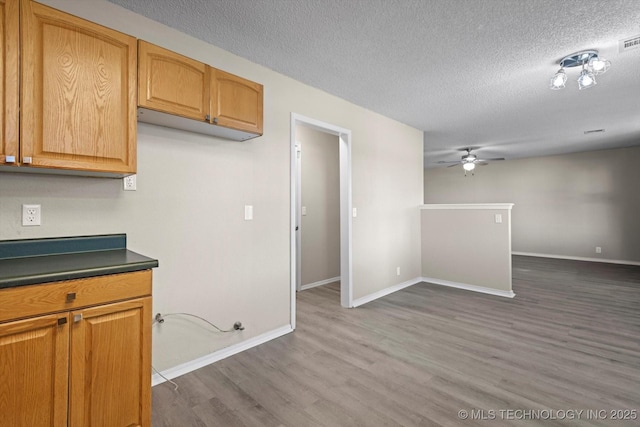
(469, 161)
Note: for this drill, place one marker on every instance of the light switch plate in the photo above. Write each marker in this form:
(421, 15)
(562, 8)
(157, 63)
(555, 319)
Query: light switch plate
(248, 212)
(304, 210)
(498, 218)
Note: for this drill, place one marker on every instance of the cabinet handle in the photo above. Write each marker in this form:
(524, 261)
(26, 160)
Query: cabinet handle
(215, 120)
(27, 160)
(207, 117)
(71, 296)
(62, 321)
(77, 318)
(10, 159)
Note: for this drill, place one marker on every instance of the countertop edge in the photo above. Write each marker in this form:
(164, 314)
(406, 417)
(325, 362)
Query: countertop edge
(78, 274)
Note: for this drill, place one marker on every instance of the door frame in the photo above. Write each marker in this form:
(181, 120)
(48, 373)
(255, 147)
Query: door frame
(346, 264)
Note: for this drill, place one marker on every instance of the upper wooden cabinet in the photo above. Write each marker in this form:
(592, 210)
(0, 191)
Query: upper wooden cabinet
(78, 97)
(172, 83)
(9, 46)
(236, 102)
(172, 87)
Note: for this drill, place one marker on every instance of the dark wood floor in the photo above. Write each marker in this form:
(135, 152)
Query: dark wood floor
(570, 340)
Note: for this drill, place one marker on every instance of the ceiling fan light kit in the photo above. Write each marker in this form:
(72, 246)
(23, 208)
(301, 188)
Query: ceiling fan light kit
(591, 64)
(469, 161)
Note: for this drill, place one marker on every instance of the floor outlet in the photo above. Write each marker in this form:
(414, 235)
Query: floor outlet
(30, 215)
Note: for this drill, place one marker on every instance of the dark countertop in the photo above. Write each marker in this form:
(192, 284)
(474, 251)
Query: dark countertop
(34, 261)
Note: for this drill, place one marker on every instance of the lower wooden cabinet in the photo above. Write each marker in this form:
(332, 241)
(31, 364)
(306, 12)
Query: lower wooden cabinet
(110, 365)
(34, 361)
(85, 367)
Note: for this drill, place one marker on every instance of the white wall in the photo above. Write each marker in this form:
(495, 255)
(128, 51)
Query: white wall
(188, 210)
(463, 245)
(320, 227)
(564, 205)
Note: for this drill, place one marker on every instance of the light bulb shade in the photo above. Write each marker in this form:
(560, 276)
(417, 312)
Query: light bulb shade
(599, 65)
(586, 80)
(469, 166)
(558, 80)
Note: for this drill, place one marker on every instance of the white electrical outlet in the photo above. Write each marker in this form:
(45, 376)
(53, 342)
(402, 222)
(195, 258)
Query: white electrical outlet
(498, 218)
(30, 215)
(397, 271)
(304, 211)
(130, 183)
(598, 250)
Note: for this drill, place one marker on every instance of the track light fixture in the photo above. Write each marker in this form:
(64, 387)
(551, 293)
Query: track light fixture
(586, 79)
(591, 64)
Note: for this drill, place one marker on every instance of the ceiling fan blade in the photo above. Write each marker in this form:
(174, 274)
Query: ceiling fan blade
(453, 165)
(442, 162)
(493, 160)
(481, 163)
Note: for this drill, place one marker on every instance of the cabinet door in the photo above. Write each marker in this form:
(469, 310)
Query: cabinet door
(110, 370)
(172, 83)
(34, 372)
(236, 102)
(78, 100)
(9, 37)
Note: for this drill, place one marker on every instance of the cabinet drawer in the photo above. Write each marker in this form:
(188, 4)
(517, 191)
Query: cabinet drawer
(25, 301)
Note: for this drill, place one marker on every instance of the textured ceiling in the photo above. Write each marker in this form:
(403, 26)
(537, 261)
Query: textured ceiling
(466, 72)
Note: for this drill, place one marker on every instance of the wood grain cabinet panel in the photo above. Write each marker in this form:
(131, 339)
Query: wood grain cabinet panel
(236, 102)
(111, 365)
(172, 87)
(85, 366)
(27, 301)
(78, 97)
(34, 367)
(172, 83)
(9, 47)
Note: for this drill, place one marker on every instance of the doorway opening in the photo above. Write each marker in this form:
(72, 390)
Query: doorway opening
(344, 142)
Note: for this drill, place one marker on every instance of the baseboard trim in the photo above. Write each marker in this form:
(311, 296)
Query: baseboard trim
(320, 283)
(374, 296)
(468, 287)
(203, 361)
(577, 258)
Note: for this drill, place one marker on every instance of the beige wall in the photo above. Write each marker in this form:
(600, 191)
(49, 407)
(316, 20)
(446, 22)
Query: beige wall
(320, 227)
(189, 208)
(564, 205)
(464, 245)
